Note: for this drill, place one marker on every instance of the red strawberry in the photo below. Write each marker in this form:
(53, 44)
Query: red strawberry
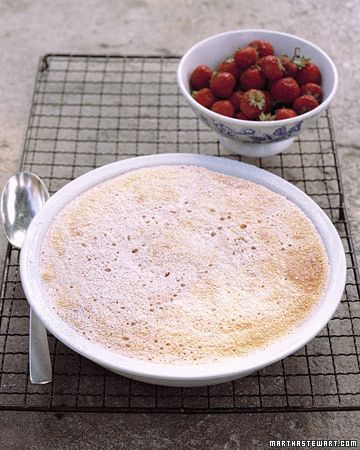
(263, 48)
(312, 89)
(229, 66)
(268, 102)
(271, 67)
(205, 97)
(240, 115)
(200, 77)
(284, 113)
(252, 78)
(222, 84)
(235, 99)
(224, 107)
(309, 73)
(252, 103)
(289, 66)
(285, 90)
(304, 104)
(245, 57)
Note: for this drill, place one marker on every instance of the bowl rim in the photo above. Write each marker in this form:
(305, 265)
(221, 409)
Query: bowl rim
(252, 123)
(170, 374)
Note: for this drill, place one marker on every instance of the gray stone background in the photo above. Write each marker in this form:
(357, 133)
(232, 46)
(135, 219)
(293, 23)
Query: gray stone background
(29, 29)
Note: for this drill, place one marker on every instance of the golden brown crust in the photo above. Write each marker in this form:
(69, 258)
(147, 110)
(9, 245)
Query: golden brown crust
(181, 264)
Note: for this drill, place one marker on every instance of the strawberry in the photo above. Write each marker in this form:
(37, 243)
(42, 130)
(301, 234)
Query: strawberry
(290, 68)
(268, 102)
(229, 66)
(263, 48)
(252, 78)
(304, 104)
(200, 77)
(240, 115)
(256, 84)
(245, 57)
(222, 84)
(284, 113)
(205, 97)
(271, 67)
(235, 99)
(309, 73)
(285, 90)
(312, 89)
(224, 107)
(252, 103)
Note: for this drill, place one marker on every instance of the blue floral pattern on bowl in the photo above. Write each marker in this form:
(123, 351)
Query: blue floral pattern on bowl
(252, 135)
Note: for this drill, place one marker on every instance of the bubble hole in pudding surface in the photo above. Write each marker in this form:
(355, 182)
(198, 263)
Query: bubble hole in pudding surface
(182, 265)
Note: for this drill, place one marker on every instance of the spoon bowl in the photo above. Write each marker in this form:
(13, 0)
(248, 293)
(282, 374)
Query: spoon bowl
(22, 197)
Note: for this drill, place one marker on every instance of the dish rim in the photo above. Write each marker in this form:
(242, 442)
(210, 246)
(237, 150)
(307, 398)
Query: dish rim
(230, 368)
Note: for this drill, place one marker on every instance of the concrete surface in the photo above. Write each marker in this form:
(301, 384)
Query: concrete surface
(45, 431)
(29, 29)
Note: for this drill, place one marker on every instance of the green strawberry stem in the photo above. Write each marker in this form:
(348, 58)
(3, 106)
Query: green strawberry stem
(300, 61)
(296, 58)
(257, 99)
(266, 116)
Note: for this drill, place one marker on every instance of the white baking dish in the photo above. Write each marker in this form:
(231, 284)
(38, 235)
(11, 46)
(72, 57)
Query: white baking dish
(182, 375)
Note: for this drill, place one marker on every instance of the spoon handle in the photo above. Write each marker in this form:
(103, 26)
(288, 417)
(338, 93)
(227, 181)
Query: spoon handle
(39, 355)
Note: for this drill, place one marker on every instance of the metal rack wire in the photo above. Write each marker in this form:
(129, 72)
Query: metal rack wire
(91, 110)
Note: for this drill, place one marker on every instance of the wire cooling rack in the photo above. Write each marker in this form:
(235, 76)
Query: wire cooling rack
(91, 110)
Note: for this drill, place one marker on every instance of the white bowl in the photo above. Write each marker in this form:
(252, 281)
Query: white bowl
(246, 137)
(181, 375)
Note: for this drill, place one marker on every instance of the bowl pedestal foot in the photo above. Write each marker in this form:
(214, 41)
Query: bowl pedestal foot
(256, 150)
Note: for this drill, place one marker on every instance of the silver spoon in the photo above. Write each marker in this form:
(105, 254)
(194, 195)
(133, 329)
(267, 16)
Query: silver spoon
(22, 197)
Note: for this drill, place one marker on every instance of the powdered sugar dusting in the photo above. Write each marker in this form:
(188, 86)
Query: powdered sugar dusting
(179, 264)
